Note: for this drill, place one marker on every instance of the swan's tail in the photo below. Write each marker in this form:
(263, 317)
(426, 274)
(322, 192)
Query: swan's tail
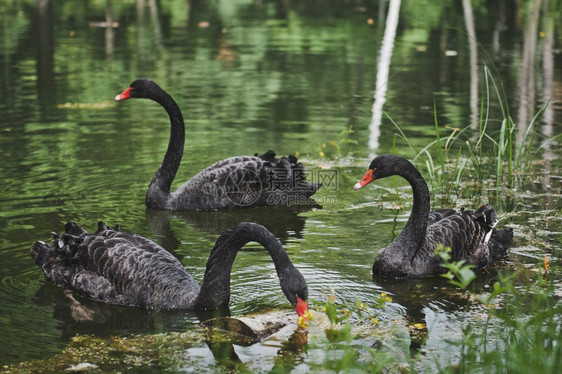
(56, 261)
(498, 240)
(42, 254)
(52, 261)
(287, 173)
(486, 218)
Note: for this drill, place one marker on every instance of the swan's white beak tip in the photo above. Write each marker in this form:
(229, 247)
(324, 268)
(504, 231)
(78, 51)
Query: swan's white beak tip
(117, 98)
(357, 186)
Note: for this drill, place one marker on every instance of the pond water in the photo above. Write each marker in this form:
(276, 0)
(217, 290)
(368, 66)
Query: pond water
(298, 78)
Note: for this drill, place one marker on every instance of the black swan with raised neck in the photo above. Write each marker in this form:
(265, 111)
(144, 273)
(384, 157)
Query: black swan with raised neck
(120, 268)
(235, 182)
(471, 235)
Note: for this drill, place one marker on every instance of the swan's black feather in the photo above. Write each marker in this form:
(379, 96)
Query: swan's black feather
(460, 231)
(439, 214)
(245, 181)
(116, 268)
(120, 268)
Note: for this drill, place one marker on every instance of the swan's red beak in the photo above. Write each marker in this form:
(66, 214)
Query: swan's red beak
(302, 307)
(367, 178)
(124, 95)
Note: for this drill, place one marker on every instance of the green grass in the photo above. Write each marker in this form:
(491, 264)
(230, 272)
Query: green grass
(460, 154)
(523, 331)
(342, 350)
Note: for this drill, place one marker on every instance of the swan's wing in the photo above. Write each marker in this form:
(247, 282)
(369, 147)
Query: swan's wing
(439, 214)
(287, 175)
(467, 234)
(243, 181)
(116, 267)
(225, 184)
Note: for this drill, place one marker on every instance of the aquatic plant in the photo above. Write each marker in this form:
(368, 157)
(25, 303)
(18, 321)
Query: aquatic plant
(334, 147)
(523, 330)
(477, 153)
(459, 273)
(343, 350)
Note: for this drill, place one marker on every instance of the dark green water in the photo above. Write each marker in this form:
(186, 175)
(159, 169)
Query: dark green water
(252, 76)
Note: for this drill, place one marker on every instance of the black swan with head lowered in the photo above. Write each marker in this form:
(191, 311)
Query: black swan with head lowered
(471, 235)
(120, 268)
(230, 183)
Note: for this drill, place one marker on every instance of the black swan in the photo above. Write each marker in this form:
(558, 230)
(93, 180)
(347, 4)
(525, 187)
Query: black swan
(472, 236)
(120, 268)
(230, 183)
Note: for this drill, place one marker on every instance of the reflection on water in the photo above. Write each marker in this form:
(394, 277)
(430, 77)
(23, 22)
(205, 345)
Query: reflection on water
(432, 299)
(45, 53)
(283, 222)
(526, 82)
(109, 320)
(383, 66)
(252, 76)
(473, 62)
(548, 94)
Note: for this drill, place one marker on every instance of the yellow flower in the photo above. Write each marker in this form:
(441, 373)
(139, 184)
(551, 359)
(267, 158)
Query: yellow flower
(304, 320)
(385, 297)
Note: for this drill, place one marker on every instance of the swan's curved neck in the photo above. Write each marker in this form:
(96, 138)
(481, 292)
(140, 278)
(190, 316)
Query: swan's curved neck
(215, 289)
(159, 188)
(413, 234)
